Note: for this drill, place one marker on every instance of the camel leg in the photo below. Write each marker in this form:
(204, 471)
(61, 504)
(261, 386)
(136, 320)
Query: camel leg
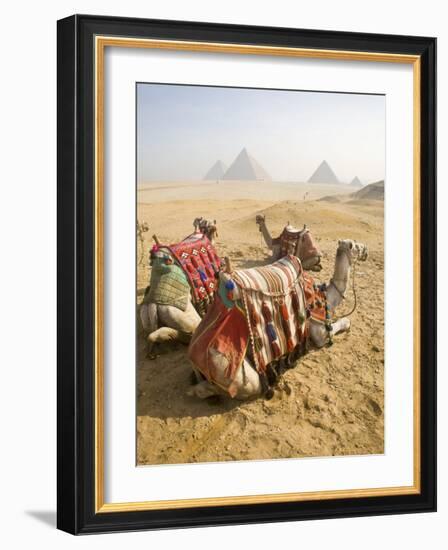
(203, 390)
(163, 334)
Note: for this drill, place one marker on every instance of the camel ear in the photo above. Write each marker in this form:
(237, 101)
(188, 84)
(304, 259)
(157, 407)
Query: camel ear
(351, 244)
(339, 242)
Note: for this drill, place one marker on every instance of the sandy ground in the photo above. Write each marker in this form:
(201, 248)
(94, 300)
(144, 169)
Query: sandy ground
(332, 402)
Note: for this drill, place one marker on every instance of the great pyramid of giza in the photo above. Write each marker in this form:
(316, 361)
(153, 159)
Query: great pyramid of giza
(245, 167)
(216, 172)
(324, 174)
(356, 182)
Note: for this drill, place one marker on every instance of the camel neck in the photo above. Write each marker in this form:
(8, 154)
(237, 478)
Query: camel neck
(266, 234)
(340, 279)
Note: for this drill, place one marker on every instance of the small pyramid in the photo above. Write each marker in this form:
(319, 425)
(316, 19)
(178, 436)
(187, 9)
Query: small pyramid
(323, 174)
(216, 172)
(356, 182)
(245, 167)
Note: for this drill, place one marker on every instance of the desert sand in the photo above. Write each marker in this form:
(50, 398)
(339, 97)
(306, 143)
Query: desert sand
(332, 402)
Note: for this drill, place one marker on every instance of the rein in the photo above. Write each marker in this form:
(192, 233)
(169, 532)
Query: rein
(353, 289)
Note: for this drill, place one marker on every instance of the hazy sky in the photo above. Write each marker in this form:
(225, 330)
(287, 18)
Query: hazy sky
(183, 130)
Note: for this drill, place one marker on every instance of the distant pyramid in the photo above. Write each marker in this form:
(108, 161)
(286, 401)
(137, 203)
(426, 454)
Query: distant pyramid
(324, 174)
(356, 182)
(245, 167)
(216, 172)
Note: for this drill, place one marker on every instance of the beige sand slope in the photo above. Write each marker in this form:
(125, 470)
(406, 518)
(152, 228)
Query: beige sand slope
(332, 403)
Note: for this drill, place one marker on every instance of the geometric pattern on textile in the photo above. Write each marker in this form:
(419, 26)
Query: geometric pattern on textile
(199, 261)
(168, 285)
(298, 242)
(275, 307)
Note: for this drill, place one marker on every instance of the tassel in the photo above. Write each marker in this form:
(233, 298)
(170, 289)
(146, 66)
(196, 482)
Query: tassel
(266, 312)
(254, 317)
(295, 301)
(271, 332)
(284, 311)
(290, 344)
(276, 349)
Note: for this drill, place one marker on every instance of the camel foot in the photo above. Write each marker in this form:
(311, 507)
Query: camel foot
(269, 394)
(214, 400)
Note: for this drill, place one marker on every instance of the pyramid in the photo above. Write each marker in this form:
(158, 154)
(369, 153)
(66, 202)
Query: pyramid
(216, 172)
(323, 174)
(356, 182)
(245, 167)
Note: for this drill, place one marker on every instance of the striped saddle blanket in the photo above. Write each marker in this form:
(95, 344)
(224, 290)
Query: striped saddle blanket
(259, 312)
(275, 308)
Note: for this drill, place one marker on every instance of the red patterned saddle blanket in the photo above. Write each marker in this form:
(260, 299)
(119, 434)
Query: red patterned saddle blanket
(201, 264)
(298, 242)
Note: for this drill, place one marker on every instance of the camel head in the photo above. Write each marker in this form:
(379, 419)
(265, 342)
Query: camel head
(353, 250)
(260, 219)
(206, 227)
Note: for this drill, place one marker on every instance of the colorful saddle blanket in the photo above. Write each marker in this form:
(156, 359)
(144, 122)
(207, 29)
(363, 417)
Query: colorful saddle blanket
(199, 261)
(259, 311)
(298, 242)
(225, 331)
(168, 285)
(275, 309)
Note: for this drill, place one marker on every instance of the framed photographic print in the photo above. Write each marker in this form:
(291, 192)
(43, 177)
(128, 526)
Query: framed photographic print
(246, 274)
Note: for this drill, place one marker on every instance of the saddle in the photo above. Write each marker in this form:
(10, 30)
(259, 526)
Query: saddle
(167, 285)
(275, 308)
(300, 243)
(197, 258)
(260, 312)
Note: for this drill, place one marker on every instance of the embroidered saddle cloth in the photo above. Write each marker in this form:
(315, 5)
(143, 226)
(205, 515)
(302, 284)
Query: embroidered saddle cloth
(298, 242)
(198, 259)
(220, 344)
(168, 285)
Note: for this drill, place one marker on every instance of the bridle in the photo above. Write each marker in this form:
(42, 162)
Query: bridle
(353, 264)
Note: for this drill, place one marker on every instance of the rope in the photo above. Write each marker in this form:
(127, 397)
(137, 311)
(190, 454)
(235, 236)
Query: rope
(354, 295)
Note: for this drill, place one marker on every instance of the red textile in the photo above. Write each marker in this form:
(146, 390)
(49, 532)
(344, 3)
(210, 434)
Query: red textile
(299, 243)
(315, 298)
(223, 330)
(200, 262)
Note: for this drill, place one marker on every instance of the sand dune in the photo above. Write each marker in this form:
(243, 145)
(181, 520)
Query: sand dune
(332, 402)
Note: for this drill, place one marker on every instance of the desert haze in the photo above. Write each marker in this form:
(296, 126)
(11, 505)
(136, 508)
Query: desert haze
(332, 402)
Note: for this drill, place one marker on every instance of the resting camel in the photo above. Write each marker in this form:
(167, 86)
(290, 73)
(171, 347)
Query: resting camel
(206, 227)
(298, 242)
(224, 346)
(183, 281)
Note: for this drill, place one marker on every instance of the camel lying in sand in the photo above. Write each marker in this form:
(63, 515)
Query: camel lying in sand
(184, 278)
(298, 242)
(256, 327)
